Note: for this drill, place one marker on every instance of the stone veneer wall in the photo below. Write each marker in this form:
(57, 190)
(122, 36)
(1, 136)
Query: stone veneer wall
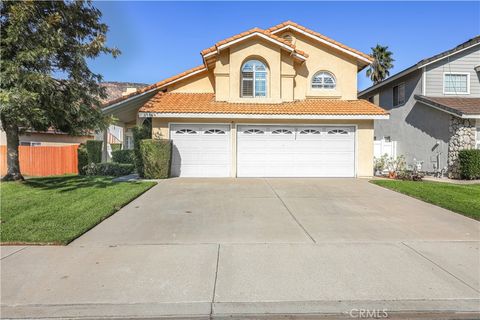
(462, 137)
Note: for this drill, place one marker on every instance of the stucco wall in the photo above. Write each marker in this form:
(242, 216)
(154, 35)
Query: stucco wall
(264, 51)
(417, 128)
(200, 83)
(323, 58)
(287, 79)
(364, 147)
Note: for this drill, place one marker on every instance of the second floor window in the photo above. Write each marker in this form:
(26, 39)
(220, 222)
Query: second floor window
(254, 79)
(323, 80)
(455, 83)
(399, 94)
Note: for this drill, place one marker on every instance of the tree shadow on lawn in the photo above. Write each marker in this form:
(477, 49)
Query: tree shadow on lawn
(69, 183)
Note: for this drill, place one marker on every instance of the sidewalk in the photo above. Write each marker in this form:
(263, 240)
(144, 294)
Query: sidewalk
(212, 280)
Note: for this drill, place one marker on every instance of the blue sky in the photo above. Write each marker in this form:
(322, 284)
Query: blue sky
(161, 39)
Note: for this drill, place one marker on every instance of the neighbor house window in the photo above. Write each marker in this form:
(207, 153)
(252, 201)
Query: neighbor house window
(456, 83)
(254, 79)
(477, 145)
(30, 144)
(399, 94)
(128, 142)
(323, 80)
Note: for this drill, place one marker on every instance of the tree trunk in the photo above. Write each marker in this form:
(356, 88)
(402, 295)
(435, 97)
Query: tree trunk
(13, 164)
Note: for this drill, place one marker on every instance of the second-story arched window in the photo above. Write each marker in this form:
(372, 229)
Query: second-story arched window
(323, 80)
(254, 79)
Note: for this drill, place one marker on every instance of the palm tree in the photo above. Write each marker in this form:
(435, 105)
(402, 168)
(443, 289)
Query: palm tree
(379, 69)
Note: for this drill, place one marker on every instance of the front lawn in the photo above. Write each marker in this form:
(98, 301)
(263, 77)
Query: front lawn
(464, 199)
(57, 210)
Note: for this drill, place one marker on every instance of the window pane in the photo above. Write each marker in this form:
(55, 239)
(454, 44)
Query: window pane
(395, 95)
(247, 88)
(260, 88)
(247, 75)
(323, 80)
(456, 83)
(254, 79)
(401, 94)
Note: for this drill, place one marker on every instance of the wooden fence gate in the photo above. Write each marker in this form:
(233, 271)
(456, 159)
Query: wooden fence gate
(43, 161)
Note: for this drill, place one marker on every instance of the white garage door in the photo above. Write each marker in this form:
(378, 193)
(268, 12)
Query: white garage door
(288, 151)
(201, 150)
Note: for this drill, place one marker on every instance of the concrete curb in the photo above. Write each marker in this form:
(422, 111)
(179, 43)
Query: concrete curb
(398, 309)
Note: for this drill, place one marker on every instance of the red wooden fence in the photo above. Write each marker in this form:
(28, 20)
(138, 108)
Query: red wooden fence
(43, 161)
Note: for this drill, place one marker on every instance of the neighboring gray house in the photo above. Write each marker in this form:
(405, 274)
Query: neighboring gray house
(434, 108)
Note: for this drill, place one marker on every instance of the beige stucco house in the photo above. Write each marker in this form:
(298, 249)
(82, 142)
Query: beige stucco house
(280, 102)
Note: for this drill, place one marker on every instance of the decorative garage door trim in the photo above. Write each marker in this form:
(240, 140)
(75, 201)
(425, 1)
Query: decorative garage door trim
(296, 150)
(201, 149)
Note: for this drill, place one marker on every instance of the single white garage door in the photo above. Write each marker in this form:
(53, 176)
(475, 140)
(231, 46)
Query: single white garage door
(289, 151)
(201, 150)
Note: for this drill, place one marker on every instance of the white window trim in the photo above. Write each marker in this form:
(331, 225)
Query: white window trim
(30, 144)
(267, 71)
(477, 134)
(456, 93)
(323, 89)
(404, 94)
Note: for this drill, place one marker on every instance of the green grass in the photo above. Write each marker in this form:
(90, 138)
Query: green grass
(463, 199)
(56, 210)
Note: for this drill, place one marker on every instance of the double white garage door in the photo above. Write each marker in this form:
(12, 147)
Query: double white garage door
(203, 150)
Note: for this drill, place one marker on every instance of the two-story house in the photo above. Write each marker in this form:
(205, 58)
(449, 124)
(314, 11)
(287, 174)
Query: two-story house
(434, 108)
(280, 102)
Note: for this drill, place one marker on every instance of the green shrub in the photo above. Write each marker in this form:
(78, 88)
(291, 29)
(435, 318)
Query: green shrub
(469, 163)
(82, 156)
(140, 133)
(109, 169)
(123, 156)
(116, 146)
(156, 155)
(94, 150)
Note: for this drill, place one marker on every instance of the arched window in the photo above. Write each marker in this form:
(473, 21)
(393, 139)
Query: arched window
(323, 80)
(254, 79)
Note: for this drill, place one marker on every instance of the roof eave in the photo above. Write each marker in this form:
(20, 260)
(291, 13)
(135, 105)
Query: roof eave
(262, 116)
(368, 61)
(257, 34)
(421, 64)
(446, 109)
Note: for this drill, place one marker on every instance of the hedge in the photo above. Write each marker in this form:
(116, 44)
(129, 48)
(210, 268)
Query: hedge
(94, 150)
(82, 156)
(116, 146)
(123, 156)
(469, 163)
(156, 155)
(108, 169)
(140, 133)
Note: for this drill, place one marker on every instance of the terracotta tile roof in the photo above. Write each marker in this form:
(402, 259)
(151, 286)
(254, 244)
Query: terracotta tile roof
(159, 85)
(457, 105)
(205, 103)
(246, 33)
(296, 25)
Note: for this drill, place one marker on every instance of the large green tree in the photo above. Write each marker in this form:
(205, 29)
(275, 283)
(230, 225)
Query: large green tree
(383, 62)
(45, 81)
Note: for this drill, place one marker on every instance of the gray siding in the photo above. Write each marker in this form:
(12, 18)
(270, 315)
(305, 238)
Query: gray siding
(416, 128)
(461, 62)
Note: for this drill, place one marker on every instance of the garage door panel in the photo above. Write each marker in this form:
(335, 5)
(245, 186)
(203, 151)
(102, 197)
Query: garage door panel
(313, 151)
(204, 153)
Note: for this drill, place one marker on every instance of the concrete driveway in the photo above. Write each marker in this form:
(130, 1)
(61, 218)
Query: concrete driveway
(213, 248)
(193, 211)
